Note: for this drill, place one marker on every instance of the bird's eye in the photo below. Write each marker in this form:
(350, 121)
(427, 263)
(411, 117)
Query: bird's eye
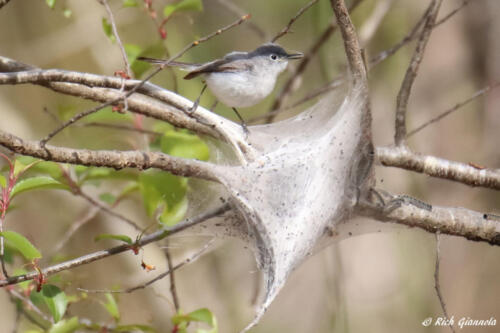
(274, 56)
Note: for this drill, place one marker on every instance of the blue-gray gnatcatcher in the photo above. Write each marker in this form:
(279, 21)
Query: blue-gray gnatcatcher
(239, 79)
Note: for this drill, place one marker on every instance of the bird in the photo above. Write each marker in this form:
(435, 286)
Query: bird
(239, 79)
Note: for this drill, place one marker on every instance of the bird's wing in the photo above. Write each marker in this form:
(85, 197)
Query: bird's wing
(222, 65)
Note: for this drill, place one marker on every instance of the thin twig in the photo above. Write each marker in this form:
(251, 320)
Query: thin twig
(31, 305)
(411, 74)
(291, 83)
(51, 115)
(437, 286)
(89, 216)
(380, 57)
(452, 13)
(117, 37)
(453, 109)
(108, 210)
(173, 289)
(169, 271)
(286, 29)
(140, 84)
(207, 37)
(233, 8)
(22, 310)
(91, 257)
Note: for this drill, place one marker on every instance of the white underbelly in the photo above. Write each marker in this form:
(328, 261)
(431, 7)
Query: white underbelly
(237, 90)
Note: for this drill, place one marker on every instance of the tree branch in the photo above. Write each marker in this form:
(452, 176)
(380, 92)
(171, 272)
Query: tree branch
(456, 221)
(174, 108)
(401, 157)
(111, 159)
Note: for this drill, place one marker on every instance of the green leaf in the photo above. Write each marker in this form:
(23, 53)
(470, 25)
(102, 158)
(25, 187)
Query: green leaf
(67, 13)
(56, 301)
(44, 167)
(201, 315)
(164, 194)
(18, 167)
(108, 30)
(134, 328)
(129, 189)
(130, 3)
(21, 244)
(183, 6)
(111, 306)
(183, 144)
(65, 326)
(51, 3)
(3, 181)
(108, 198)
(132, 51)
(36, 183)
(122, 238)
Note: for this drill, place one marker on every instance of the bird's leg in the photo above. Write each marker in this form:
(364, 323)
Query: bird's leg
(243, 124)
(197, 102)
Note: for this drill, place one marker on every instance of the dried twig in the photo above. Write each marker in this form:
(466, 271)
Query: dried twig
(291, 83)
(169, 271)
(437, 286)
(452, 13)
(91, 257)
(30, 305)
(89, 216)
(233, 8)
(378, 58)
(411, 73)
(453, 109)
(286, 29)
(117, 36)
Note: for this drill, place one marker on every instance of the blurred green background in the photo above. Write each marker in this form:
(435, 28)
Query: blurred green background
(372, 283)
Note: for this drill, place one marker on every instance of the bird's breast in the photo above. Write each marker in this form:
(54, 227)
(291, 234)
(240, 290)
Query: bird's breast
(239, 90)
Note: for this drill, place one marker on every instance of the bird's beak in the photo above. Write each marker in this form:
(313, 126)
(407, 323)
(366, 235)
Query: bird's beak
(297, 55)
